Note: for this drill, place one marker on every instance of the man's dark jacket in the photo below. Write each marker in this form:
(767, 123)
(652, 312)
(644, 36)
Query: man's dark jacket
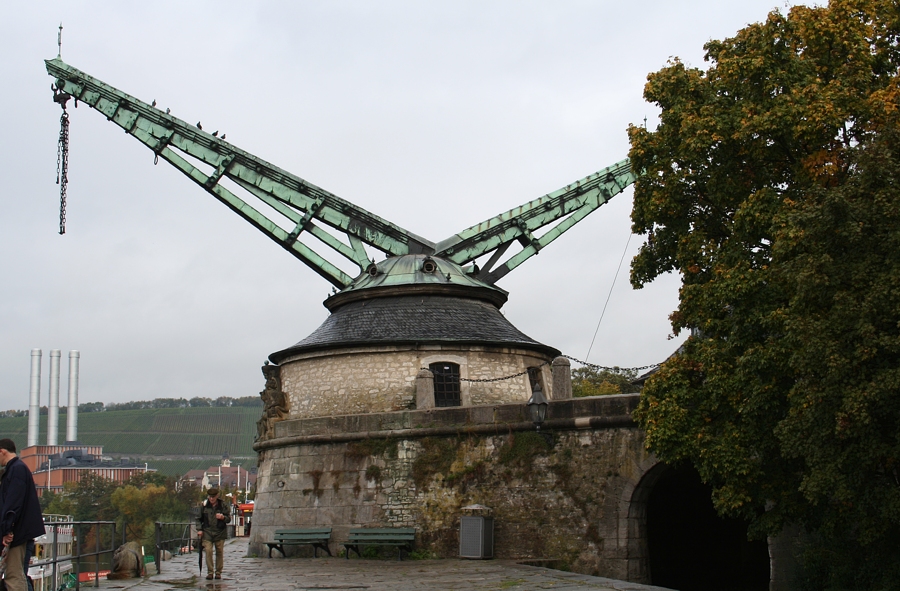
(214, 529)
(20, 509)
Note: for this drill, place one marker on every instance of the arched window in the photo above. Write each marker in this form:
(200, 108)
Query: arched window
(446, 383)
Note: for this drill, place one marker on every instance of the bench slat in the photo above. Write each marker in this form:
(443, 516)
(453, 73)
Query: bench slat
(318, 537)
(367, 535)
(401, 537)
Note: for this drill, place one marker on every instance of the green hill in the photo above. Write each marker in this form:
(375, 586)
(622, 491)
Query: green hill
(172, 440)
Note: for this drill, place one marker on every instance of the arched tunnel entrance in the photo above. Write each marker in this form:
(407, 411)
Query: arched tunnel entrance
(691, 548)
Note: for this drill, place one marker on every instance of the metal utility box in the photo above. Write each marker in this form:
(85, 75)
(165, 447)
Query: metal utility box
(476, 537)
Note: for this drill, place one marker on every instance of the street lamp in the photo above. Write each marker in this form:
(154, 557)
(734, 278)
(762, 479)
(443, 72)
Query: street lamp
(537, 406)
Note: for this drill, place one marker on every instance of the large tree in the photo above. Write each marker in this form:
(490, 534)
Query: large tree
(772, 185)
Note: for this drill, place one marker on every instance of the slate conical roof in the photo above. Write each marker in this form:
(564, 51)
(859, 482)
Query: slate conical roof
(400, 303)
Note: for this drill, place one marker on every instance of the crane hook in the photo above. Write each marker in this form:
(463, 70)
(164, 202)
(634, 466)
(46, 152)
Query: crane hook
(61, 97)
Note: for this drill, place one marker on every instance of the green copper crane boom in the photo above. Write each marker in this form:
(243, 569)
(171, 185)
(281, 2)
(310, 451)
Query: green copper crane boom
(569, 204)
(208, 160)
(294, 198)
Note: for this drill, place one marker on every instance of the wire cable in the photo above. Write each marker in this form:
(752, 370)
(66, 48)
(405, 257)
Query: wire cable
(624, 252)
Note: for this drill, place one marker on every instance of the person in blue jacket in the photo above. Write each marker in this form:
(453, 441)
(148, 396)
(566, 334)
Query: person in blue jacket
(20, 514)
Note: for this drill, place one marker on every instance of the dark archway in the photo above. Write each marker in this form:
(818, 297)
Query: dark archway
(691, 548)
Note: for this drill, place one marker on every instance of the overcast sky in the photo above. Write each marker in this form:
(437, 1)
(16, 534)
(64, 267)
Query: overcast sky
(433, 115)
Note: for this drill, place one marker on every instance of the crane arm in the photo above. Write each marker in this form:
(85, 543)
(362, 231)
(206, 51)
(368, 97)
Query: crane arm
(567, 207)
(207, 160)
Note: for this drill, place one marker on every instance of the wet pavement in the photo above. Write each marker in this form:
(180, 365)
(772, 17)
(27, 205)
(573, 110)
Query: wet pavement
(243, 573)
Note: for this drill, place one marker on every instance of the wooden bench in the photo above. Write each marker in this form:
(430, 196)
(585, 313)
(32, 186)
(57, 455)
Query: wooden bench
(317, 537)
(401, 537)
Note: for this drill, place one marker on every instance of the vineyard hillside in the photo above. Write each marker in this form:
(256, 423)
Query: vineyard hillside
(172, 440)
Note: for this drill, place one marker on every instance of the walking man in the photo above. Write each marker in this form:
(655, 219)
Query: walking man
(20, 514)
(212, 530)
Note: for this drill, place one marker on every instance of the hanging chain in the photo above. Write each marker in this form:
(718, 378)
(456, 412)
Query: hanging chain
(591, 365)
(521, 373)
(62, 151)
(62, 167)
(612, 369)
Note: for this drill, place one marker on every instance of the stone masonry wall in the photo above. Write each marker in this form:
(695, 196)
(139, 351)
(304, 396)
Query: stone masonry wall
(565, 498)
(383, 379)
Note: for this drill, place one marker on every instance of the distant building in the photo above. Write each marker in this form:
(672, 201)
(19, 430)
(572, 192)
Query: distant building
(55, 465)
(222, 476)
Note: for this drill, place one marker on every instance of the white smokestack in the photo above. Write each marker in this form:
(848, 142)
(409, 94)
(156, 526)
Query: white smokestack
(34, 399)
(53, 405)
(72, 413)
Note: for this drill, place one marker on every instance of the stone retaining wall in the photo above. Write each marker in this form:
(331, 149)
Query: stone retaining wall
(565, 497)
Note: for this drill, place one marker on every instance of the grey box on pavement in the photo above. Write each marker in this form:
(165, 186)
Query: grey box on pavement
(476, 537)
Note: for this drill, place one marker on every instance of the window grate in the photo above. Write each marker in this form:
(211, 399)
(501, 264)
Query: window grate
(446, 384)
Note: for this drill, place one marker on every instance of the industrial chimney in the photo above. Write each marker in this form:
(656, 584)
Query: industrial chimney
(72, 413)
(34, 399)
(53, 409)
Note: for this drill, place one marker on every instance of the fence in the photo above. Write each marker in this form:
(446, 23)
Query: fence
(174, 538)
(67, 546)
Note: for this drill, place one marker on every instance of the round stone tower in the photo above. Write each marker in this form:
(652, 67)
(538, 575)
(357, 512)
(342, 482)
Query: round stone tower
(413, 331)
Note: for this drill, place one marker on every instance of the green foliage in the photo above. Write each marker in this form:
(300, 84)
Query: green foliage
(370, 552)
(48, 499)
(468, 474)
(86, 407)
(208, 431)
(833, 565)
(386, 448)
(436, 457)
(521, 448)
(771, 186)
(373, 473)
(588, 381)
(145, 498)
(137, 507)
(196, 402)
(86, 500)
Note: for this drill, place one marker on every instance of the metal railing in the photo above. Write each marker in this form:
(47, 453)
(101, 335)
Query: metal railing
(54, 525)
(79, 534)
(174, 538)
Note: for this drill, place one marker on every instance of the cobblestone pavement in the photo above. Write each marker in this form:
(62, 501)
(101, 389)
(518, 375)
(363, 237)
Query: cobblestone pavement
(299, 574)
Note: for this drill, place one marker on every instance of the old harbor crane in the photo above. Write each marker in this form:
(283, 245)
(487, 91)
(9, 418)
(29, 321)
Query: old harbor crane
(303, 208)
(406, 336)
